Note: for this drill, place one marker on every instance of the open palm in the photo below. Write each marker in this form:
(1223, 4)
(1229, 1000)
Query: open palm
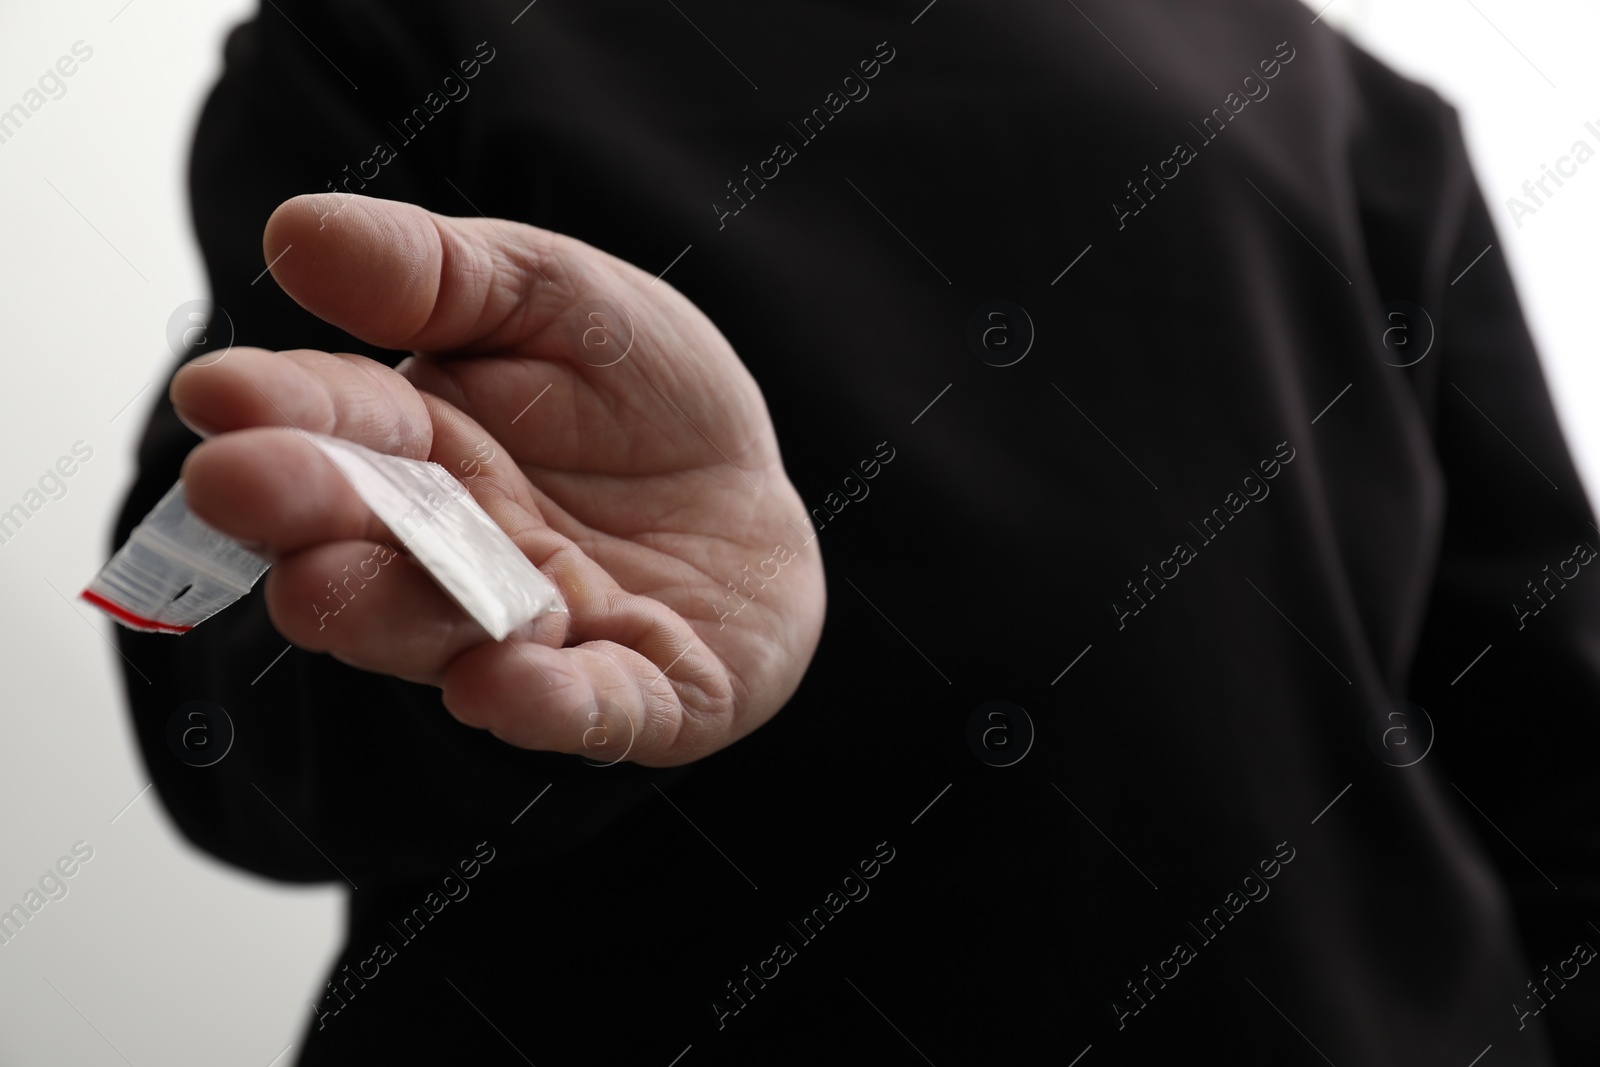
(595, 414)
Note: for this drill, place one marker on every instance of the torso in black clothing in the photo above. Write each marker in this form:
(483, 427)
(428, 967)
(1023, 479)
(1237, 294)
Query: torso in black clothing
(1177, 503)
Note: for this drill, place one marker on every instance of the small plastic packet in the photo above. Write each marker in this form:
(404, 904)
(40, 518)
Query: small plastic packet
(176, 571)
(446, 531)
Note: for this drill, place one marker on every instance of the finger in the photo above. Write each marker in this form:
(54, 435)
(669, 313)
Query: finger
(342, 395)
(600, 699)
(371, 607)
(276, 490)
(402, 277)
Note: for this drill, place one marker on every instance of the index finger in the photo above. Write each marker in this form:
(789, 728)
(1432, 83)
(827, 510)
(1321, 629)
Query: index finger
(343, 395)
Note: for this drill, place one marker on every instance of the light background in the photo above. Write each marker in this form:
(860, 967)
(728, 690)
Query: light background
(159, 955)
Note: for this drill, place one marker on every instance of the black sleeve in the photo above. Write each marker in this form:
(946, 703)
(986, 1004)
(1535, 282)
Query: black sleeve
(1509, 662)
(334, 771)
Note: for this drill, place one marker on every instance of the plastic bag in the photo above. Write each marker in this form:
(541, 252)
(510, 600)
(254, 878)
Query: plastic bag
(176, 571)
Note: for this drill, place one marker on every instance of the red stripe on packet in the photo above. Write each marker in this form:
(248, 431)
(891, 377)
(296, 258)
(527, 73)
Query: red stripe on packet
(129, 617)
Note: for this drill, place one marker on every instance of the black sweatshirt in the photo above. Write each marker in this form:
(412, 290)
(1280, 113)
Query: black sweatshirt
(1141, 372)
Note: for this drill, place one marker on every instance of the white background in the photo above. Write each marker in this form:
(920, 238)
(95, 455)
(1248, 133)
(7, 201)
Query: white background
(162, 956)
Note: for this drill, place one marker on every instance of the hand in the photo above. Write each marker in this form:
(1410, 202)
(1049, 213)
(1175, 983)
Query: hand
(642, 488)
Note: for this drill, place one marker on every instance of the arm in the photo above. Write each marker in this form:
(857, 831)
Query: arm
(371, 769)
(1516, 732)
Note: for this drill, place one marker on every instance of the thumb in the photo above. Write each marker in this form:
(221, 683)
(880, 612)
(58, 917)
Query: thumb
(398, 276)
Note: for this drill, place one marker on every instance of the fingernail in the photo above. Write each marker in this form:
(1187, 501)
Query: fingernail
(200, 431)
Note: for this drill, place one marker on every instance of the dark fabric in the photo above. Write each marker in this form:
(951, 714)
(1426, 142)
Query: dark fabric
(1208, 719)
